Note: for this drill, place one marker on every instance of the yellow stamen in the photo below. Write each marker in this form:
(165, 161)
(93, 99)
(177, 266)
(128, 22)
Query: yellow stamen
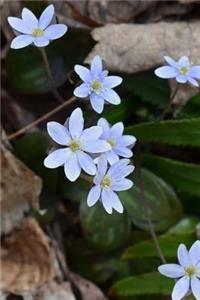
(190, 271)
(183, 71)
(37, 32)
(106, 182)
(111, 142)
(95, 85)
(74, 145)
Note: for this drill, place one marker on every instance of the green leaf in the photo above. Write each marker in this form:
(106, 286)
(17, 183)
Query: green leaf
(145, 284)
(183, 232)
(192, 108)
(174, 132)
(163, 205)
(183, 176)
(103, 231)
(149, 88)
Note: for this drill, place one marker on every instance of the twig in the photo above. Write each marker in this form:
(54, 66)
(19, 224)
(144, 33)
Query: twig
(49, 74)
(42, 118)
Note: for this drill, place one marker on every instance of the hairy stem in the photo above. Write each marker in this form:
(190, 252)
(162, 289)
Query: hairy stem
(50, 76)
(42, 118)
(168, 106)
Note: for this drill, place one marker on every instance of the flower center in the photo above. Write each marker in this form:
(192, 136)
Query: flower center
(190, 271)
(37, 32)
(106, 182)
(111, 142)
(95, 85)
(75, 145)
(183, 71)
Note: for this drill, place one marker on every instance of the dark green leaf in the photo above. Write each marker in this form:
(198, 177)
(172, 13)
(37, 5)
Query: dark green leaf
(175, 132)
(192, 108)
(183, 176)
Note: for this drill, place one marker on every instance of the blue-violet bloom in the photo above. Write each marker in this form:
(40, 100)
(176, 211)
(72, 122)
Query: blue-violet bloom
(79, 144)
(98, 86)
(182, 70)
(187, 272)
(108, 181)
(120, 144)
(30, 30)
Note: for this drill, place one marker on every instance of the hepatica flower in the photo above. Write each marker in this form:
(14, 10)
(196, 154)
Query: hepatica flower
(108, 181)
(187, 272)
(97, 85)
(120, 144)
(31, 30)
(181, 70)
(79, 144)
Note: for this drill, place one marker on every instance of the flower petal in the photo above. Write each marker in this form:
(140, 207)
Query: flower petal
(41, 41)
(94, 195)
(46, 16)
(83, 73)
(72, 168)
(195, 287)
(19, 25)
(124, 152)
(184, 62)
(127, 140)
(171, 270)
(91, 133)
(111, 157)
(181, 288)
(82, 91)
(122, 185)
(112, 81)
(194, 253)
(105, 126)
(58, 133)
(111, 96)
(55, 31)
(76, 123)
(102, 166)
(120, 172)
(181, 78)
(195, 72)
(95, 146)
(96, 65)
(107, 203)
(117, 130)
(166, 72)
(193, 81)
(86, 163)
(171, 61)
(118, 168)
(183, 256)
(97, 103)
(21, 41)
(115, 202)
(57, 158)
(30, 19)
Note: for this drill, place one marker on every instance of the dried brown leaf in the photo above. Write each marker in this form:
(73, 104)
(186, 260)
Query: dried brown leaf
(132, 48)
(20, 187)
(26, 259)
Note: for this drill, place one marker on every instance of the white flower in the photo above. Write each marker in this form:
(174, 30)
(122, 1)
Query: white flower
(108, 181)
(97, 85)
(187, 273)
(34, 31)
(120, 144)
(182, 70)
(78, 144)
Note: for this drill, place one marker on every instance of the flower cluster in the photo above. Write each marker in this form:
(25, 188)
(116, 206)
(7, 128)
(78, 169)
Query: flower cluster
(186, 273)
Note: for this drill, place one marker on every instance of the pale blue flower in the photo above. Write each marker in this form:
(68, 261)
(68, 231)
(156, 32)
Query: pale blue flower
(187, 272)
(108, 181)
(79, 144)
(182, 70)
(30, 30)
(120, 144)
(98, 86)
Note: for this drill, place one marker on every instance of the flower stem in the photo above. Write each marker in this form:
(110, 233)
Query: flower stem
(49, 74)
(168, 106)
(42, 118)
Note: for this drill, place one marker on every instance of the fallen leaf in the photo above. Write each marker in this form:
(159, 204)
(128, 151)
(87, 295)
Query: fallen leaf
(20, 187)
(27, 259)
(132, 48)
